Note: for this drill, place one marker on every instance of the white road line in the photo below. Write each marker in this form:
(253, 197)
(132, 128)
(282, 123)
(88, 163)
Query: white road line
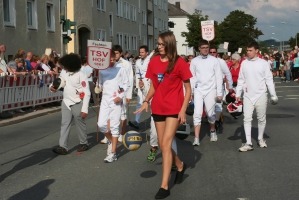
(286, 86)
(279, 96)
(293, 95)
(290, 98)
(279, 91)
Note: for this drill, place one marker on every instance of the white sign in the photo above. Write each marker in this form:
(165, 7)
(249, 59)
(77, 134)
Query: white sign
(228, 53)
(225, 45)
(240, 50)
(296, 47)
(190, 51)
(207, 30)
(98, 54)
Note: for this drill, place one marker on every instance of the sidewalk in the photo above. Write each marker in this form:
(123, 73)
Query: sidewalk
(29, 114)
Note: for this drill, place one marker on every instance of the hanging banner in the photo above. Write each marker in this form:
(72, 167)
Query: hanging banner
(98, 54)
(240, 50)
(208, 30)
(225, 45)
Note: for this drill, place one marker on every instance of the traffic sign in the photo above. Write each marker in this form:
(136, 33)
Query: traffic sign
(98, 54)
(207, 30)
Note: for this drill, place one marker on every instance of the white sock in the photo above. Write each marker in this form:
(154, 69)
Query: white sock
(261, 131)
(248, 134)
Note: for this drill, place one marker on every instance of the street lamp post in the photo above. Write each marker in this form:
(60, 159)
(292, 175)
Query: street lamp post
(293, 25)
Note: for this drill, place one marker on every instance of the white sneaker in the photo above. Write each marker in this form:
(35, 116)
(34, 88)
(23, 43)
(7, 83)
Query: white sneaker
(246, 147)
(120, 138)
(110, 158)
(196, 142)
(109, 149)
(20, 110)
(262, 143)
(213, 137)
(104, 141)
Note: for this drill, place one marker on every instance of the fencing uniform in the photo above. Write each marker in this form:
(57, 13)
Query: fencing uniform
(72, 106)
(110, 81)
(253, 78)
(140, 71)
(128, 67)
(225, 74)
(206, 84)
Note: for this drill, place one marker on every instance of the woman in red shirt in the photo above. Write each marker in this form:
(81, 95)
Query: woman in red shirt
(167, 72)
(235, 68)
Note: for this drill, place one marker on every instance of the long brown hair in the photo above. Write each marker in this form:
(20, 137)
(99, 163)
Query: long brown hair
(169, 41)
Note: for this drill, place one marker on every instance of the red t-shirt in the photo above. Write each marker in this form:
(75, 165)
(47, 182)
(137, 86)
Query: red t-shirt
(169, 97)
(235, 73)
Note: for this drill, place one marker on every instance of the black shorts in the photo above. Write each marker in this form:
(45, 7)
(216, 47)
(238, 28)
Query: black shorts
(162, 118)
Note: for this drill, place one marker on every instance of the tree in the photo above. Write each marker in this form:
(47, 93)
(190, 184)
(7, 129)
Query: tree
(194, 30)
(292, 41)
(263, 47)
(238, 29)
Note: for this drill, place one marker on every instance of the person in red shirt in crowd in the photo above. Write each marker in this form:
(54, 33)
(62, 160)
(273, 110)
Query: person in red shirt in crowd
(167, 71)
(235, 68)
(227, 60)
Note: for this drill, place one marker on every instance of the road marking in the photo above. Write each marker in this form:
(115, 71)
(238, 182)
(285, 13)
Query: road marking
(279, 91)
(290, 98)
(293, 95)
(279, 96)
(286, 86)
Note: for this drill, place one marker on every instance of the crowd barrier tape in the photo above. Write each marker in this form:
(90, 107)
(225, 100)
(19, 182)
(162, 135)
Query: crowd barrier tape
(26, 91)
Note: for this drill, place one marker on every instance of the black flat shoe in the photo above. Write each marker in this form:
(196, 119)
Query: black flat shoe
(179, 175)
(162, 193)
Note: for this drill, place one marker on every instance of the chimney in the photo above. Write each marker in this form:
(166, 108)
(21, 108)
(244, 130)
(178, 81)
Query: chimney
(178, 5)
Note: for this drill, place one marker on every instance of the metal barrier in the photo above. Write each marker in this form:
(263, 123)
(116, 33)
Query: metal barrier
(26, 91)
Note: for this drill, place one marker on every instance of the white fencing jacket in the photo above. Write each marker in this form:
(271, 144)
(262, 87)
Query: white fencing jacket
(206, 75)
(254, 75)
(111, 80)
(141, 69)
(226, 72)
(129, 70)
(75, 83)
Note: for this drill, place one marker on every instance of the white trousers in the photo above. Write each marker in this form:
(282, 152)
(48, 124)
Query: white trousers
(109, 111)
(261, 108)
(123, 115)
(209, 101)
(140, 99)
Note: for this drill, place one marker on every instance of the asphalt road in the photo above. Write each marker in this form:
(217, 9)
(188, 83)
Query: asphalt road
(29, 170)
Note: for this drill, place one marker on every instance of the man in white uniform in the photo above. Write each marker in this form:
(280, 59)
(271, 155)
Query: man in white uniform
(141, 68)
(206, 84)
(254, 78)
(227, 78)
(114, 83)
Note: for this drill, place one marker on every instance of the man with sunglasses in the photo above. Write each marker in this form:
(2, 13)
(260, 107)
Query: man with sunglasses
(206, 85)
(227, 79)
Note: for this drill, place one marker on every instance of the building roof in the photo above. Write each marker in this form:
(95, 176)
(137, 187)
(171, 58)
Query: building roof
(174, 10)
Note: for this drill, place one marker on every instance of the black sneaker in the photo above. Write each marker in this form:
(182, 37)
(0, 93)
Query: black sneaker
(60, 150)
(162, 193)
(134, 124)
(180, 175)
(83, 147)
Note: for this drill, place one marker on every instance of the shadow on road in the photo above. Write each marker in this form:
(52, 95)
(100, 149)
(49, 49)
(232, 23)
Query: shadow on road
(240, 134)
(38, 191)
(40, 157)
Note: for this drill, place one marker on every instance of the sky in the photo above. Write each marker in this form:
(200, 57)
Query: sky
(269, 14)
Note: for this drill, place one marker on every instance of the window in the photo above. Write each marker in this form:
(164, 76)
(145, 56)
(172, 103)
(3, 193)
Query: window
(101, 5)
(111, 23)
(50, 17)
(155, 2)
(101, 35)
(119, 11)
(139, 6)
(128, 11)
(166, 25)
(144, 40)
(156, 22)
(125, 42)
(165, 6)
(129, 43)
(160, 25)
(159, 4)
(119, 39)
(134, 13)
(143, 18)
(9, 12)
(139, 31)
(31, 14)
(134, 43)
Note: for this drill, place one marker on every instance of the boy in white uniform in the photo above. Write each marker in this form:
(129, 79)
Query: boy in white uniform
(114, 83)
(128, 67)
(140, 71)
(73, 107)
(254, 76)
(227, 76)
(206, 84)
